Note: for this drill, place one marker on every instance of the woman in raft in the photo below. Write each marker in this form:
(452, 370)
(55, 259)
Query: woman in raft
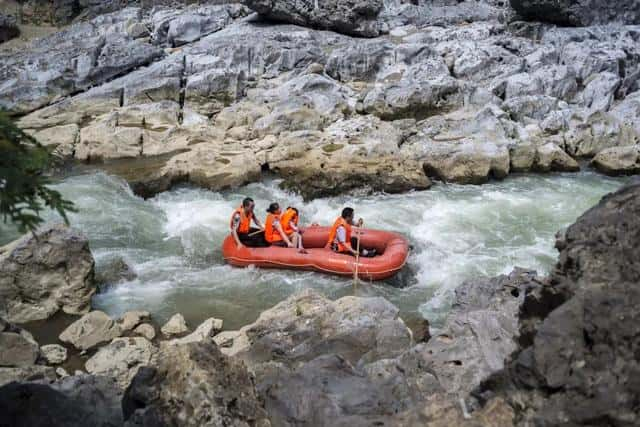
(281, 229)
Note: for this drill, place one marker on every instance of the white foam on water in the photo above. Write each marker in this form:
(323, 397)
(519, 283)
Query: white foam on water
(457, 232)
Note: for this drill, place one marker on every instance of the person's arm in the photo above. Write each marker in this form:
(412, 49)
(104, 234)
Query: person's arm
(278, 227)
(234, 230)
(257, 222)
(342, 238)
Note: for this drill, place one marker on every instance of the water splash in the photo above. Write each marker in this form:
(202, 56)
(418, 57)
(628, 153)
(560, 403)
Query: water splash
(458, 233)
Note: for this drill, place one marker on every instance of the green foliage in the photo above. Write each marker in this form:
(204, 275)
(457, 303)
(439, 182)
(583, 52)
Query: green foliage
(24, 191)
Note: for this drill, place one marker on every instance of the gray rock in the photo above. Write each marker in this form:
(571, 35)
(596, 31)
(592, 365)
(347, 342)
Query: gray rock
(579, 12)
(203, 333)
(193, 385)
(176, 325)
(72, 401)
(8, 28)
(61, 372)
(344, 16)
(17, 349)
(131, 319)
(308, 325)
(53, 354)
(39, 277)
(121, 359)
(27, 373)
(115, 271)
(599, 91)
(618, 160)
(567, 336)
(145, 330)
(91, 330)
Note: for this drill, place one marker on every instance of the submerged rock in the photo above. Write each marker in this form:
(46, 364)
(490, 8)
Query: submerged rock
(45, 273)
(193, 385)
(91, 330)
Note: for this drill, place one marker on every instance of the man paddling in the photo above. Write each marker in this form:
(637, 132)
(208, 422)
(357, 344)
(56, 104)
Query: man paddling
(241, 229)
(340, 239)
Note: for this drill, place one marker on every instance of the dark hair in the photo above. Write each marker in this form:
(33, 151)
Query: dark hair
(347, 212)
(294, 209)
(247, 202)
(273, 207)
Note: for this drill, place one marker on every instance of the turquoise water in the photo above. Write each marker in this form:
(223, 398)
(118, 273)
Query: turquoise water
(458, 233)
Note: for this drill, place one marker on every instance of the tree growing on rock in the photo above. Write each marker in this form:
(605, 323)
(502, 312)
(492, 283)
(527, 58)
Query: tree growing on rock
(24, 188)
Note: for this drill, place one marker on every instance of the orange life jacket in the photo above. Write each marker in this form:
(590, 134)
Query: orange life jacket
(270, 233)
(245, 221)
(334, 232)
(286, 219)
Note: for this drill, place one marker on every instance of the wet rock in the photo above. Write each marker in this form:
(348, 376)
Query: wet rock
(618, 160)
(121, 359)
(115, 271)
(307, 325)
(131, 319)
(53, 354)
(72, 401)
(44, 274)
(27, 373)
(176, 325)
(203, 333)
(145, 330)
(579, 12)
(8, 28)
(91, 330)
(193, 385)
(345, 16)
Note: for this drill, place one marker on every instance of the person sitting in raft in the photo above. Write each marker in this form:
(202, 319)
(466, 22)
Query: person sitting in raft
(289, 222)
(273, 232)
(340, 239)
(241, 229)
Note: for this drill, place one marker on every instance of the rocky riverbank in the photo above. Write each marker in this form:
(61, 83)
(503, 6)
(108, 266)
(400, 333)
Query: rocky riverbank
(216, 95)
(515, 350)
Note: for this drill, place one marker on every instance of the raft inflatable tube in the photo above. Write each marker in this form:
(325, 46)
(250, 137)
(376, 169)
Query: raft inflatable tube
(392, 250)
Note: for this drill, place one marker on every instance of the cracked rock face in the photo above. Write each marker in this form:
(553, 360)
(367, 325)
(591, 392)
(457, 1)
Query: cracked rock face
(39, 277)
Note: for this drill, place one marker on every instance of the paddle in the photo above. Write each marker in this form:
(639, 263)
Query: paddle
(355, 271)
(255, 232)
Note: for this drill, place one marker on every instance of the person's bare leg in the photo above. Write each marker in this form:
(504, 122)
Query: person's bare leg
(297, 238)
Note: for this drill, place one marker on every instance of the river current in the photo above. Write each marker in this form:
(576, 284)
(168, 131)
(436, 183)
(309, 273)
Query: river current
(458, 233)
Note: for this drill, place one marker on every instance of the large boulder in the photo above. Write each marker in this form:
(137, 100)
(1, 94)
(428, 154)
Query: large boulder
(91, 330)
(580, 337)
(579, 12)
(44, 273)
(193, 385)
(344, 16)
(307, 325)
(73, 401)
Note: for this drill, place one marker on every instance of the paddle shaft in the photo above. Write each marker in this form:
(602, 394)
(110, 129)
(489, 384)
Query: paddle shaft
(355, 272)
(255, 232)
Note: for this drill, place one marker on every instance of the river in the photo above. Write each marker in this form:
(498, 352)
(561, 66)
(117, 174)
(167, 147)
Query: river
(458, 233)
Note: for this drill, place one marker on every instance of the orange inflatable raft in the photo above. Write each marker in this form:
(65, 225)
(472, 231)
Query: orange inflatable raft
(392, 249)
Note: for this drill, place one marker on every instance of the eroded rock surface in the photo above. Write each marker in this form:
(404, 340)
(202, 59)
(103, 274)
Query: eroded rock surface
(42, 275)
(193, 385)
